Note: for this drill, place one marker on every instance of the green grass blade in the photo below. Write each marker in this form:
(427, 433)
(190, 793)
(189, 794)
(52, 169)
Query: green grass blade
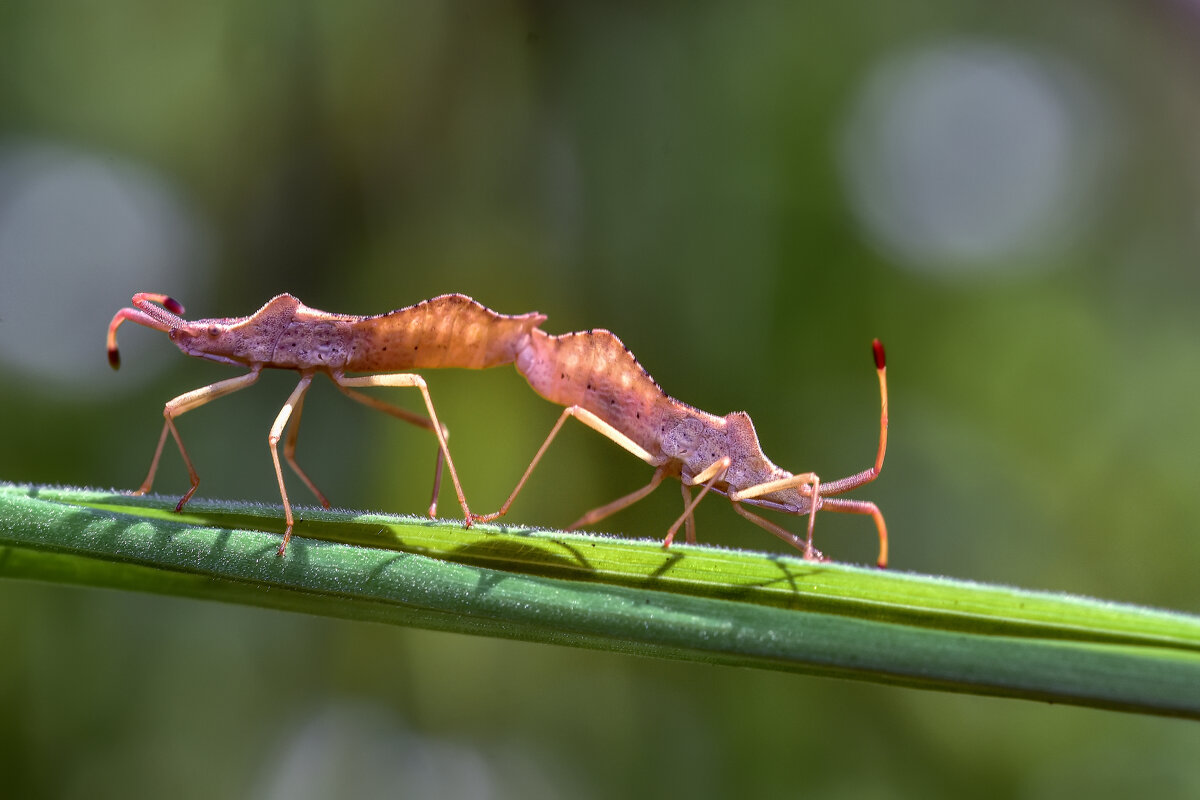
(692, 602)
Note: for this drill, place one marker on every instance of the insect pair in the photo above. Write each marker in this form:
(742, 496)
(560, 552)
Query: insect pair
(591, 373)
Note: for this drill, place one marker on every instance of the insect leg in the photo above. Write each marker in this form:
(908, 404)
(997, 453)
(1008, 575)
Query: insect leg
(848, 506)
(710, 475)
(181, 405)
(410, 417)
(690, 524)
(809, 485)
(294, 402)
(810, 553)
(597, 514)
(812, 488)
(593, 422)
(289, 450)
(411, 380)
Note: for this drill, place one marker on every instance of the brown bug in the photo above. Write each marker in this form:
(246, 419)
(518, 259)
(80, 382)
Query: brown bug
(448, 331)
(604, 387)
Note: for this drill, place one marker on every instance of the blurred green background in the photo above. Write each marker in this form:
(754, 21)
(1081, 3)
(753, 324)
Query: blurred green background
(746, 193)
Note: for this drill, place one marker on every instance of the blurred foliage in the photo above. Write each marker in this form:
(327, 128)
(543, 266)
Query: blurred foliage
(674, 173)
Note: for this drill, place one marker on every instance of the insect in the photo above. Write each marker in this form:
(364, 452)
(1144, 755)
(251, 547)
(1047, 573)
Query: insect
(448, 331)
(604, 387)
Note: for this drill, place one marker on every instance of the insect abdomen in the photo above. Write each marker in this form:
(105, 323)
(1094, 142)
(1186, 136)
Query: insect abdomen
(593, 369)
(448, 331)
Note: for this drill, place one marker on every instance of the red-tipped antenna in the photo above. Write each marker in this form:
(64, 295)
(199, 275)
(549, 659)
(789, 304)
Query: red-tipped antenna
(881, 368)
(145, 314)
(166, 301)
(828, 488)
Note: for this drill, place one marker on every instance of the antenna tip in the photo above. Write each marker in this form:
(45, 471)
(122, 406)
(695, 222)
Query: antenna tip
(114, 358)
(172, 305)
(877, 349)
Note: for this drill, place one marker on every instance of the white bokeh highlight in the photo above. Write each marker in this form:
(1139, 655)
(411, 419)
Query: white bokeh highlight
(79, 234)
(970, 156)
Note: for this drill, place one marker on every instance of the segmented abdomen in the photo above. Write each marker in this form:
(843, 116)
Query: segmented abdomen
(448, 331)
(593, 369)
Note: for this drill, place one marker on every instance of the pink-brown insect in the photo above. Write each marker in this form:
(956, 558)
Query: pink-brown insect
(448, 331)
(604, 387)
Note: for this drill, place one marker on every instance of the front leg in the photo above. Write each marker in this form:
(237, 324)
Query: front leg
(181, 405)
(294, 403)
(809, 485)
